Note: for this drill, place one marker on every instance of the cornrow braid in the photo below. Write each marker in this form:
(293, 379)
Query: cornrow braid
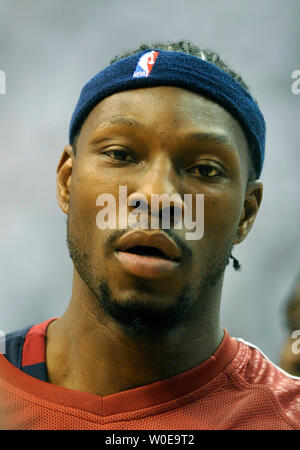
(188, 48)
(236, 264)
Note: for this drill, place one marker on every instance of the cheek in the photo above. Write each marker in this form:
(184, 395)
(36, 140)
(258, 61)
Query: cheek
(221, 216)
(87, 185)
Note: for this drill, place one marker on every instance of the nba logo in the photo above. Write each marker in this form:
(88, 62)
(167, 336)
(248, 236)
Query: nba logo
(145, 64)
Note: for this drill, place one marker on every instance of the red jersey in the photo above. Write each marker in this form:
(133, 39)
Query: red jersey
(237, 388)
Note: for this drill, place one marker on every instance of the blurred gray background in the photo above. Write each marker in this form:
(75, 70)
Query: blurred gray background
(49, 49)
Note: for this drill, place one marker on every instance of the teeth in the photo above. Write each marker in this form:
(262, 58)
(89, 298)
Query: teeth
(147, 251)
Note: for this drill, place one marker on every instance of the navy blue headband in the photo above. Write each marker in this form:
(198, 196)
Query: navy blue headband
(166, 68)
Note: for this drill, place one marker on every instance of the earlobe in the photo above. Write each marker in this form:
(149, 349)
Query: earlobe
(250, 209)
(63, 181)
(239, 237)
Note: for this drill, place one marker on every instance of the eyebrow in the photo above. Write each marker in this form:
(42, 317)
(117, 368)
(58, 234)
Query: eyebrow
(209, 137)
(200, 136)
(129, 122)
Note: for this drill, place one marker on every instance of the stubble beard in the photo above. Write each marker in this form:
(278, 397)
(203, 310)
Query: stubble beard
(140, 319)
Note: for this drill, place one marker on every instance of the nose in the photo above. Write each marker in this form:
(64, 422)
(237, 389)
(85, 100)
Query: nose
(157, 194)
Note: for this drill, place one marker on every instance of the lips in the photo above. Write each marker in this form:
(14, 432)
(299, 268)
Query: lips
(154, 241)
(148, 255)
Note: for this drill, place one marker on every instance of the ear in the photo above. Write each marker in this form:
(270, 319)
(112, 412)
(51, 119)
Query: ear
(250, 209)
(63, 180)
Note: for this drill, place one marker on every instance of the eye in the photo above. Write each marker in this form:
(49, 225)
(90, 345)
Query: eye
(206, 170)
(119, 155)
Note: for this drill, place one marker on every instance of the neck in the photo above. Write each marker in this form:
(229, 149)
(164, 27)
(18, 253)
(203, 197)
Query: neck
(89, 352)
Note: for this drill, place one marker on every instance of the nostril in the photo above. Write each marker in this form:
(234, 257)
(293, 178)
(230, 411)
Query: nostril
(135, 201)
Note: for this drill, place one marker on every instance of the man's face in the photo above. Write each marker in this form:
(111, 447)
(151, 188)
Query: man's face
(154, 141)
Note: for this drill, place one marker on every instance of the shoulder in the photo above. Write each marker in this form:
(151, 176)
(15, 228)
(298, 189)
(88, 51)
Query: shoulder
(255, 370)
(26, 346)
(13, 345)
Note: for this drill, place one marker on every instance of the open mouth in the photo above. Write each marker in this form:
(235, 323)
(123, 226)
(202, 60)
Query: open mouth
(144, 250)
(146, 261)
(148, 255)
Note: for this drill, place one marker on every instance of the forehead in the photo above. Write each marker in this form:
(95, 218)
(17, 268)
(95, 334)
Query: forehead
(167, 110)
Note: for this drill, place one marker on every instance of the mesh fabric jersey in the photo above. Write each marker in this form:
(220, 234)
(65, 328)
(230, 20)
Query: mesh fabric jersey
(237, 388)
